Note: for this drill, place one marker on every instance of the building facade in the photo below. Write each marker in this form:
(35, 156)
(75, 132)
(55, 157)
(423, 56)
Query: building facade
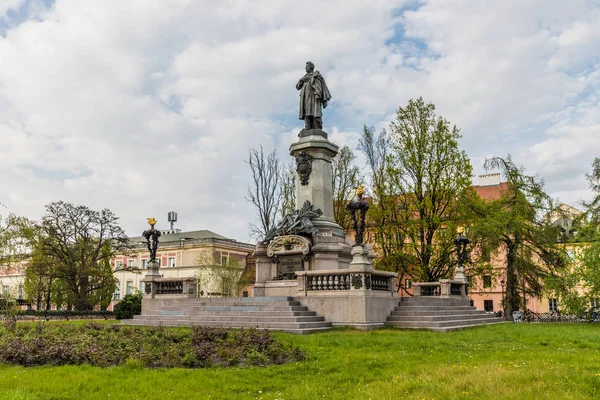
(211, 258)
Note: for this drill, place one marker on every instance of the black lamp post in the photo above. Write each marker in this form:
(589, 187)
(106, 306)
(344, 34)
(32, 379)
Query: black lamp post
(461, 243)
(502, 298)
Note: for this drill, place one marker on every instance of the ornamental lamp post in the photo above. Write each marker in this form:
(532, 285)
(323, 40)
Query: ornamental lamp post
(502, 282)
(461, 243)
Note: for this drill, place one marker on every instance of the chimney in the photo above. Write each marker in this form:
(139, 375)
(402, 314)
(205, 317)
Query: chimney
(489, 179)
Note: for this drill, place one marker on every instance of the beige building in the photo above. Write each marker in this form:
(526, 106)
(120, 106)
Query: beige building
(203, 254)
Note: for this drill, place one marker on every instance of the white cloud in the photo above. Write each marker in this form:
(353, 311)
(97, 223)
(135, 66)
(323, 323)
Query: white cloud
(150, 107)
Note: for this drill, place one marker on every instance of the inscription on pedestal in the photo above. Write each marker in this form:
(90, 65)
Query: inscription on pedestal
(287, 266)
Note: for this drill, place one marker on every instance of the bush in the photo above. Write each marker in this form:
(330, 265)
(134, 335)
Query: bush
(128, 307)
(137, 346)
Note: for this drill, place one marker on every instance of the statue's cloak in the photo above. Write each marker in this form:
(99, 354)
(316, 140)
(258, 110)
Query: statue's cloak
(312, 95)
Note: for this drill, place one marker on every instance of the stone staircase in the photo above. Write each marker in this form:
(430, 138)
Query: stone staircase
(272, 313)
(438, 314)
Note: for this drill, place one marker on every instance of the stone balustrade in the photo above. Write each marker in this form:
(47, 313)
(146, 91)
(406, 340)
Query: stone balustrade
(445, 288)
(171, 287)
(346, 279)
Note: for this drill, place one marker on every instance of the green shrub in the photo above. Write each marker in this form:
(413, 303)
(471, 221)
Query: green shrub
(128, 307)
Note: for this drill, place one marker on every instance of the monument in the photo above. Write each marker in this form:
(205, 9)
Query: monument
(308, 256)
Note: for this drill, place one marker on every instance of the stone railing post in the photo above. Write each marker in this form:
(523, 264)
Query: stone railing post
(416, 289)
(445, 287)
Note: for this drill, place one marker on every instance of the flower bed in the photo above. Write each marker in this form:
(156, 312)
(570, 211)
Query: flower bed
(108, 345)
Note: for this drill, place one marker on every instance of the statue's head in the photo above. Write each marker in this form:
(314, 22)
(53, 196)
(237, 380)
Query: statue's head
(310, 67)
(360, 190)
(152, 222)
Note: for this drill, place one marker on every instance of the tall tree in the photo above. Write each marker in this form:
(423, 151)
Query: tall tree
(265, 190)
(517, 225)
(346, 178)
(385, 214)
(429, 172)
(579, 287)
(79, 240)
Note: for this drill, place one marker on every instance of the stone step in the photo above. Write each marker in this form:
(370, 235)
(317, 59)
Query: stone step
(432, 308)
(229, 324)
(432, 300)
(226, 318)
(234, 313)
(408, 318)
(195, 308)
(200, 303)
(443, 324)
(444, 312)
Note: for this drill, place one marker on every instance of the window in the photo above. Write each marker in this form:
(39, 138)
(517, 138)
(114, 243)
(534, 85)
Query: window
(117, 294)
(21, 291)
(144, 264)
(487, 281)
(5, 290)
(553, 305)
(129, 287)
(225, 259)
(118, 264)
(488, 305)
(131, 263)
(486, 255)
(407, 283)
(471, 303)
(159, 261)
(142, 287)
(171, 262)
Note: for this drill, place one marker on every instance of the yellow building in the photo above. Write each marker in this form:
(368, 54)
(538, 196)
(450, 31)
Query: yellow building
(195, 254)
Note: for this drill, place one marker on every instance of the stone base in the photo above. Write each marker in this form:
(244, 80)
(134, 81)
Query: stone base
(275, 289)
(361, 309)
(312, 132)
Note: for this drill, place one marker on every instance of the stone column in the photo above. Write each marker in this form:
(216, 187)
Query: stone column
(318, 188)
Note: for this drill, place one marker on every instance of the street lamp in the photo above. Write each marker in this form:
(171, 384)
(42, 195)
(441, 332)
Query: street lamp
(461, 243)
(502, 298)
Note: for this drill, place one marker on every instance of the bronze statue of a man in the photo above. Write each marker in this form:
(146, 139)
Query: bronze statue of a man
(314, 96)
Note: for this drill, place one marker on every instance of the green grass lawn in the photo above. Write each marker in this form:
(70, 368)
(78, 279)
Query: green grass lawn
(508, 361)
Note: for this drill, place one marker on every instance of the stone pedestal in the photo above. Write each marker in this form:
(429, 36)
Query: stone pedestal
(459, 274)
(318, 189)
(152, 274)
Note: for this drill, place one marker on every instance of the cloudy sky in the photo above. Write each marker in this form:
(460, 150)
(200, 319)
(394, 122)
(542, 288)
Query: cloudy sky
(148, 106)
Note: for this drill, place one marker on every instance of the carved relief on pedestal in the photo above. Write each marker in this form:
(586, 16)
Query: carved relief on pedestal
(289, 253)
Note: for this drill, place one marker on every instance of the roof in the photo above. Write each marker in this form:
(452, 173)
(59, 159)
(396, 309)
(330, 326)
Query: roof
(491, 192)
(175, 237)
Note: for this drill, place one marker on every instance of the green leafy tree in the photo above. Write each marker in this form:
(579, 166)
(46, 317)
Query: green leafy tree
(217, 279)
(579, 287)
(385, 215)
(80, 241)
(517, 225)
(417, 174)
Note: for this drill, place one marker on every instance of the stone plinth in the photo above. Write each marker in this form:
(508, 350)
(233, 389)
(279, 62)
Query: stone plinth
(318, 190)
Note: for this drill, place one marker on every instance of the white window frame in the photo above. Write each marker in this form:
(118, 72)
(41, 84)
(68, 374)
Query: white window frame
(225, 256)
(407, 283)
(117, 293)
(118, 265)
(144, 264)
(130, 263)
(553, 305)
(171, 262)
(129, 288)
